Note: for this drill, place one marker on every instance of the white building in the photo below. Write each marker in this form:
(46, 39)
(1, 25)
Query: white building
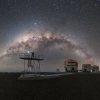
(86, 67)
(71, 65)
(95, 68)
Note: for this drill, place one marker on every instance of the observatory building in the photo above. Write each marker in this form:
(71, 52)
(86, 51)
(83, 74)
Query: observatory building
(95, 68)
(71, 65)
(86, 67)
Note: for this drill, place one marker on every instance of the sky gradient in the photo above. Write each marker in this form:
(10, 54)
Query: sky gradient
(57, 29)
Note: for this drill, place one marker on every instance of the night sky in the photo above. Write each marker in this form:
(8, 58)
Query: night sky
(55, 29)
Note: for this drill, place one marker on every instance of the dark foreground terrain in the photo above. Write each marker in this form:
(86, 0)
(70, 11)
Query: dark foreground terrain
(70, 87)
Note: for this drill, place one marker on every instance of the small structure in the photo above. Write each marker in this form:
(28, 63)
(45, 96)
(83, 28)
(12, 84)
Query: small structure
(95, 68)
(57, 70)
(32, 62)
(86, 67)
(71, 65)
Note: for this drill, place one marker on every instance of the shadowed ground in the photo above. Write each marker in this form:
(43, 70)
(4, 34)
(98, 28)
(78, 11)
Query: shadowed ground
(71, 87)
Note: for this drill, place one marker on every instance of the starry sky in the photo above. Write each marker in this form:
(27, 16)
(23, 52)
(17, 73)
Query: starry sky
(55, 29)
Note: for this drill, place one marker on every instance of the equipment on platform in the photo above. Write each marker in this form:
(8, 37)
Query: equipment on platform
(31, 62)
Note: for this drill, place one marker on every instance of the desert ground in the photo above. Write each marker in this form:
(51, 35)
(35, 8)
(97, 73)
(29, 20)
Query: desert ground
(79, 86)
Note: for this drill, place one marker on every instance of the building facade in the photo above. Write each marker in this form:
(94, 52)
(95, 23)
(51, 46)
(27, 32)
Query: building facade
(71, 65)
(86, 67)
(95, 68)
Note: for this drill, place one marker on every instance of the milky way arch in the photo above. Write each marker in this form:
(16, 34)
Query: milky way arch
(44, 41)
